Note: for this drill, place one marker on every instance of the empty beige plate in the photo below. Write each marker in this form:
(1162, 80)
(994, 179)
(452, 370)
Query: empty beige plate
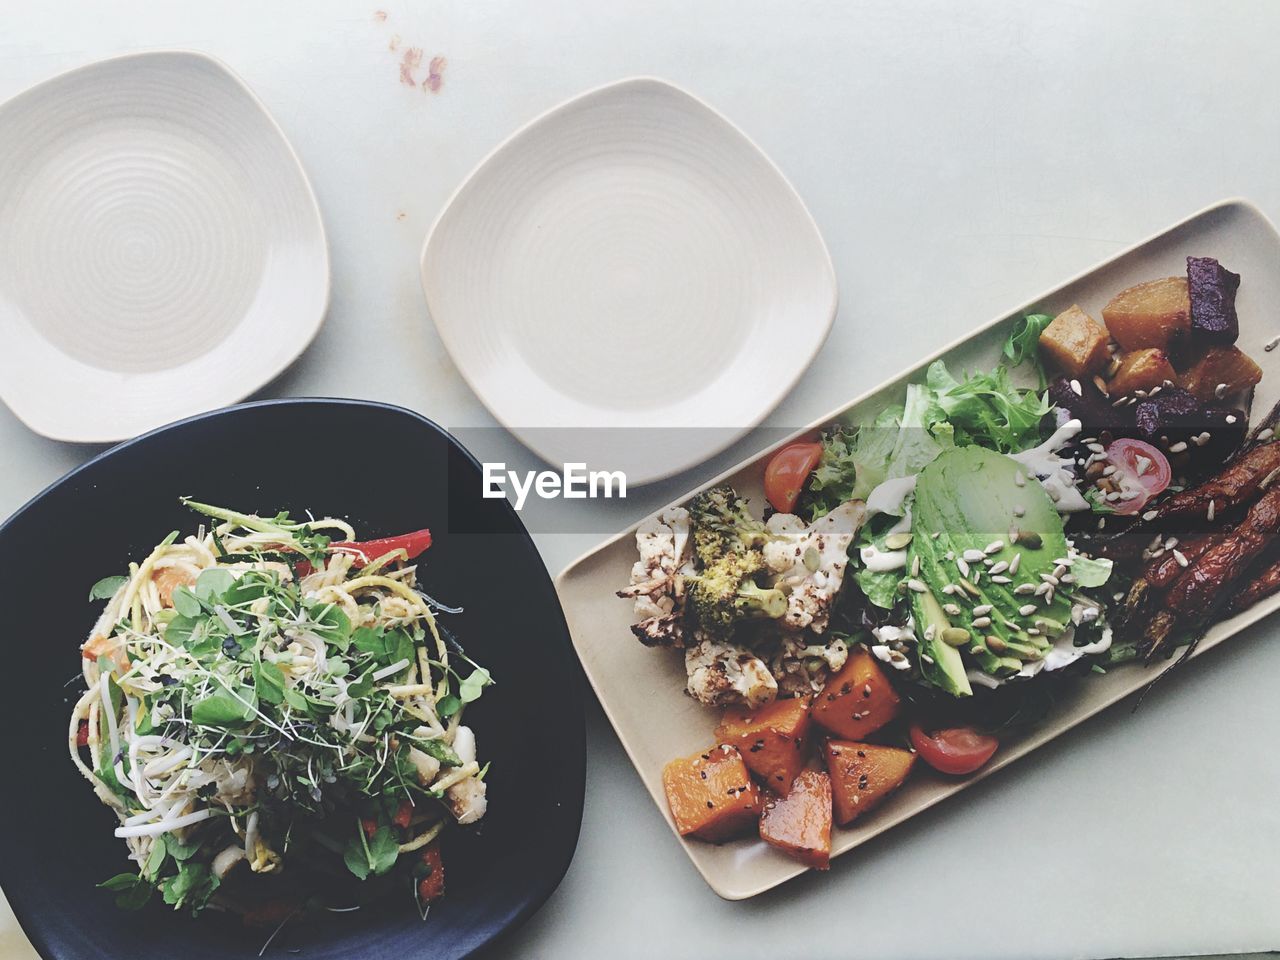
(161, 251)
(642, 689)
(629, 260)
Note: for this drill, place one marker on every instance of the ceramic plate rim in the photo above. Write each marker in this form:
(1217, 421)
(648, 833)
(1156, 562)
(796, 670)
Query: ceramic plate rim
(22, 410)
(729, 891)
(731, 435)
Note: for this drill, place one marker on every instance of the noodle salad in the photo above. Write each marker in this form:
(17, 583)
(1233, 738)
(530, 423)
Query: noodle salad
(268, 693)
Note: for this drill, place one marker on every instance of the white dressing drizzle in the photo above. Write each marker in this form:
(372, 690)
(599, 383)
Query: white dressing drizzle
(1054, 472)
(890, 495)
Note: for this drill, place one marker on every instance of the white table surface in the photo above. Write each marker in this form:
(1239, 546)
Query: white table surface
(957, 161)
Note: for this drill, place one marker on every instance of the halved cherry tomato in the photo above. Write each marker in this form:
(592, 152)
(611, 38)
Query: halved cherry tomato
(1140, 469)
(787, 472)
(954, 750)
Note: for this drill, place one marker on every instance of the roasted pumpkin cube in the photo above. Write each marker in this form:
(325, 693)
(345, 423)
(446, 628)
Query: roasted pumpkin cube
(1219, 372)
(1141, 370)
(1075, 343)
(862, 775)
(858, 700)
(711, 795)
(1152, 314)
(771, 739)
(799, 824)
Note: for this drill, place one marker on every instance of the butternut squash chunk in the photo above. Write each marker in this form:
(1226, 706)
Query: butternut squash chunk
(862, 775)
(771, 739)
(1075, 343)
(711, 795)
(1152, 314)
(858, 700)
(799, 824)
(1141, 370)
(1228, 366)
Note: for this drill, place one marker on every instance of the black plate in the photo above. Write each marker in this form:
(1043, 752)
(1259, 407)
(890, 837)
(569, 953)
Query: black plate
(387, 470)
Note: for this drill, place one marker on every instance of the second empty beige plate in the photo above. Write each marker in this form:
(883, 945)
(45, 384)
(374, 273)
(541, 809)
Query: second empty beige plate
(629, 260)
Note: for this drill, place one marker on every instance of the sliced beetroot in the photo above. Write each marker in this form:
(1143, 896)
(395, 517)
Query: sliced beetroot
(1212, 288)
(1167, 410)
(1175, 421)
(1091, 408)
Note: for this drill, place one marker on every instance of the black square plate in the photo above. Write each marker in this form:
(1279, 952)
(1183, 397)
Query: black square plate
(387, 470)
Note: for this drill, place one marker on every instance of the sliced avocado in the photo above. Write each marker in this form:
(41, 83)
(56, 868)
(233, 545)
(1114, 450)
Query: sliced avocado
(946, 670)
(971, 502)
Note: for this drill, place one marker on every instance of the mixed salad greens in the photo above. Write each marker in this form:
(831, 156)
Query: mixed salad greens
(265, 701)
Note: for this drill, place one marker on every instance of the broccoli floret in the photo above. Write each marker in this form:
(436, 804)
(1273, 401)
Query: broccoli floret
(722, 525)
(725, 593)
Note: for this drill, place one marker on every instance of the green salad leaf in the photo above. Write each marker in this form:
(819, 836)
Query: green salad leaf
(106, 588)
(132, 890)
(987, 409)
(1024, 342)
(880, 588)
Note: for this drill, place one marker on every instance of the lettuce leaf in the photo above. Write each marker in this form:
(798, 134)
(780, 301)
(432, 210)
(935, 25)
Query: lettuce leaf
(880, 589)
(987, 409)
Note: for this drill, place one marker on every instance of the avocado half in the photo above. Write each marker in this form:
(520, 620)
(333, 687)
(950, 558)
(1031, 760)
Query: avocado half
(976, 511)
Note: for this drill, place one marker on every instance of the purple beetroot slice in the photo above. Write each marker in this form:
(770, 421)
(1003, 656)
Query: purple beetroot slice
(1169, 410)
(1212, 289)
(1091, 408)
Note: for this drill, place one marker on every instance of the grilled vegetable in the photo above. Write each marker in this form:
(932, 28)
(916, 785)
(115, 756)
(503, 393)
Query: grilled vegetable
(862, 775)
(1219, 371)
(1152, 314)
(1212, 288)
(1227, 492)
(1201, 589)
(1075, 343)
(722, 524)
(858, 700)
(771, 739)
(725, 593)
(1263, 580)
(799, 824)
(711, 795)
(1142, 370)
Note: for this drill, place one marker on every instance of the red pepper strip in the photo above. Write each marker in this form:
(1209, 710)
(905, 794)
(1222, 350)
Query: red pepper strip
(82, 734)
(403, 814)
(431, 887)
(367, 551)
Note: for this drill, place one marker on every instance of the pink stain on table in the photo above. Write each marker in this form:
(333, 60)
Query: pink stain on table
(380, 16)
(435, 74)
(410, 62)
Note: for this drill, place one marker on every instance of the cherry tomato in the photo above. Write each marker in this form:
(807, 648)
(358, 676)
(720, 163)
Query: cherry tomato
(1140, 469)
(955, 750)
(787, 472)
